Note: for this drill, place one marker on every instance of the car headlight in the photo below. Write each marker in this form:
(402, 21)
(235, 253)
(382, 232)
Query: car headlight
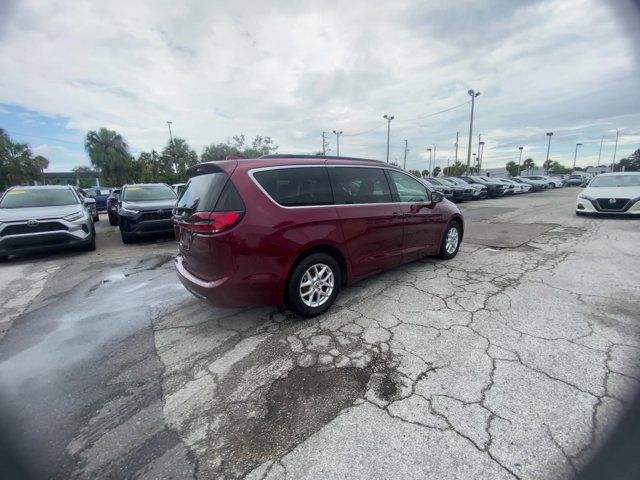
(127, 211)
(74, 216)
(586, 197)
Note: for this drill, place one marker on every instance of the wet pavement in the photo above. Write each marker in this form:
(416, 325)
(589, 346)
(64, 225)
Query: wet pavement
(505, 362)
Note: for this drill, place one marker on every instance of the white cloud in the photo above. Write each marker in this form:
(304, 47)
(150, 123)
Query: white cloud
(291, 70)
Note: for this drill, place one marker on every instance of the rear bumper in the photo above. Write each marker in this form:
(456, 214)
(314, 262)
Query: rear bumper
(230, 291)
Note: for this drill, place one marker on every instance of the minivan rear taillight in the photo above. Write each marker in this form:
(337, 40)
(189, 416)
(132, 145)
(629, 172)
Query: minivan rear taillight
(209, 223)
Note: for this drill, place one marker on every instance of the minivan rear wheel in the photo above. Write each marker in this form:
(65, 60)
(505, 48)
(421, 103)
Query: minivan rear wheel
(313, 285)
(450, 241)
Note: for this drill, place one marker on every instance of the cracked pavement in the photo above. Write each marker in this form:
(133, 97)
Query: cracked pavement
(501, 363)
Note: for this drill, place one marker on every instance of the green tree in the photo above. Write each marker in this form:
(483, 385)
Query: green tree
(631, 164)
(109, 154)
(436, 171)
(415, 173)
(181, 156)
(238, 146)
(218, 151)
(458, 168)
(528, 164)
(557, 167)
(17, 163)
(512, 168)
(424, 173)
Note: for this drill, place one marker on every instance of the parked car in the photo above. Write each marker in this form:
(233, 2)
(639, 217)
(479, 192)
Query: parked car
(112, 206)
(144, 209)
(479, 191)
(536, 185)
(494, 189)
(90, 203)
(100, 194)
(311, 225)
(434, 185)
(551, 182)
(575, 180)
(517, 187)
(43, 218)
(608, 193)
(459, 194)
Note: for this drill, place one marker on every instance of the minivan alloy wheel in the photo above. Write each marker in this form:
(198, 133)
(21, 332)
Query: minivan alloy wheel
(316, 285)
(451, 242)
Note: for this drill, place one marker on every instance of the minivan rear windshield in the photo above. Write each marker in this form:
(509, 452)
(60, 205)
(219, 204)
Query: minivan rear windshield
(44, 197)
(143, 193)
(202, 192)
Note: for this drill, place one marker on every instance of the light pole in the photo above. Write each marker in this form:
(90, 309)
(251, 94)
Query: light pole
(434, 161)
(171, 139)
(429, 150)
(389, 118)
(457, 135)
(474, 161)
(600, 152)
(338, 133)
(615, 149)
(520, 159)
(473, 95)
(575, 155)
(481, 153)
(404, 163)
(549, 134)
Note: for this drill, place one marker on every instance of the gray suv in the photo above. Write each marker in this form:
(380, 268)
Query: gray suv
(145, 208)
(35, 219)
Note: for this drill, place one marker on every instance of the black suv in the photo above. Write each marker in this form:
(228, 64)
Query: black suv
(145, 209)
(494, 189)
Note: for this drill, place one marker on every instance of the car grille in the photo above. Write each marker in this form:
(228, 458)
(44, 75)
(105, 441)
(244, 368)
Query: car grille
(618, 205)
(156, 215)
(23, 228)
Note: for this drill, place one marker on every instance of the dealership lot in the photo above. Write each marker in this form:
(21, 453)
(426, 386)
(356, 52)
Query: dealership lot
(510, 361)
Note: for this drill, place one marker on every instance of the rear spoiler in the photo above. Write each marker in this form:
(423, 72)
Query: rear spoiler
(228, 166)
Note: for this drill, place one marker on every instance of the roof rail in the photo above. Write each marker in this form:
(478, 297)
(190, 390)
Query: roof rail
(325, 157)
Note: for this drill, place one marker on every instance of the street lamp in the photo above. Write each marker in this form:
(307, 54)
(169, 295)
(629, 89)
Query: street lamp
(520, 159)
(549, 134)
(389, 118)
(575, 155)
(473, 96)
(338, 133)
(474, 162)
(481, 154)
(429, 150)
(432, 168)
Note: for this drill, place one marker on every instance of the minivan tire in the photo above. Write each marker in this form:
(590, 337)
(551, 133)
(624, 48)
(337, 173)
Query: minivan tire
(446, 253)
(113, 220)
(294, 297)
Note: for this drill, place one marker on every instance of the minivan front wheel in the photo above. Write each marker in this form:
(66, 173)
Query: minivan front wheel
(313, 285)
(450, 241)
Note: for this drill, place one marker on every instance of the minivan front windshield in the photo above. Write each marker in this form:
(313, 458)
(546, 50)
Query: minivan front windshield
(38, 197)
(145, 193)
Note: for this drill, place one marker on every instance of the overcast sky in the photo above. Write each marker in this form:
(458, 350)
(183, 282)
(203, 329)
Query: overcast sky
(292, 70)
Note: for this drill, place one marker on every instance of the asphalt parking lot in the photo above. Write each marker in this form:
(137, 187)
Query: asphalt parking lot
(512, 360)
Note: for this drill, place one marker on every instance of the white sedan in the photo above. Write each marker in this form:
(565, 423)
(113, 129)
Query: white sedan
(617, 193)
(517, 187)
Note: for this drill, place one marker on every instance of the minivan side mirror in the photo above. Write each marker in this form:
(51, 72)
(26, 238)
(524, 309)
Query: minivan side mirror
(436, 197)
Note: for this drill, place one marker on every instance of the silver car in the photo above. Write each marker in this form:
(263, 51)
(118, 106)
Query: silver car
(35, 219)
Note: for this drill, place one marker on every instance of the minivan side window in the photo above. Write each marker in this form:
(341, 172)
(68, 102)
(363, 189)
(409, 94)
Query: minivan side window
(355, 185)
(296, 186)
(409, 189)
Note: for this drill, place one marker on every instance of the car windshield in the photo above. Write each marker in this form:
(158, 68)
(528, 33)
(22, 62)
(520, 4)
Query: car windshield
(432, 181)
(446, 181)
(616, 181)
(142, 193)
(42, 197)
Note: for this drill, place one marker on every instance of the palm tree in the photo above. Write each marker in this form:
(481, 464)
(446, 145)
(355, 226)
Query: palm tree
(528, 164)
(108, 153)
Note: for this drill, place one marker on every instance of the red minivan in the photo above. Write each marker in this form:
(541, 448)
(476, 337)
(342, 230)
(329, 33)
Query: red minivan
(294, 229)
